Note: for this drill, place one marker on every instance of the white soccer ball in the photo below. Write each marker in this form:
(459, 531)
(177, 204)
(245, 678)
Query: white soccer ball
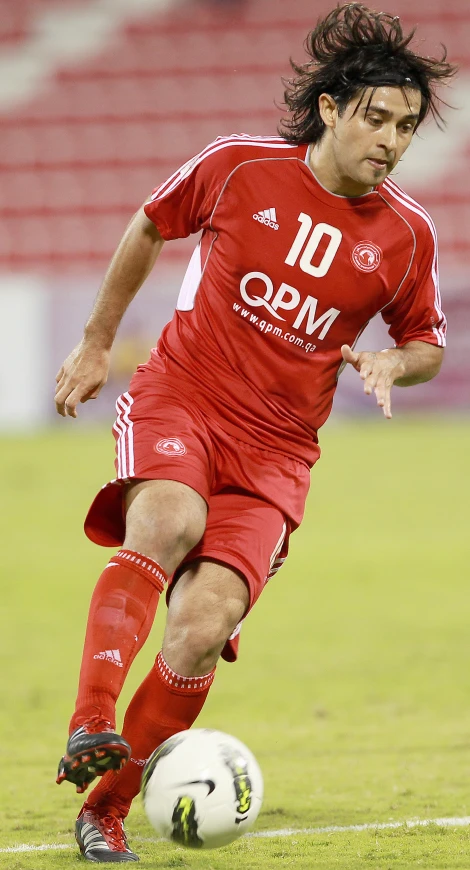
(202, 789)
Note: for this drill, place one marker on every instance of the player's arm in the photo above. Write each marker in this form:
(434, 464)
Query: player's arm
(414, 363)
(85, 371)
(416, 324)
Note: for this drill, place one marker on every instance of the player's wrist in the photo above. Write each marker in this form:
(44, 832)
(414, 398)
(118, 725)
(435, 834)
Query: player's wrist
(401, 368)
(97, 339)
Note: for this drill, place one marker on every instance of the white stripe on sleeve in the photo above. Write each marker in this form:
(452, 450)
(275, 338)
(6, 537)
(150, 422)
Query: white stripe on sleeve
(412, 205)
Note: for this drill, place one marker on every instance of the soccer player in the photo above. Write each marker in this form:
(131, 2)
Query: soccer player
(305, 238)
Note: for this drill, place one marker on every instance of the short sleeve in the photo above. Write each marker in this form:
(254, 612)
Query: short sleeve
(183, 204)
(416, 314)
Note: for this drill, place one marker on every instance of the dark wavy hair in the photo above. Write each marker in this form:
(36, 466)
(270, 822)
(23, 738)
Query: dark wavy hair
(351, 50)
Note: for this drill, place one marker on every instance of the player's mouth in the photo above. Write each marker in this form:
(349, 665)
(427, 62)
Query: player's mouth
(378, 164)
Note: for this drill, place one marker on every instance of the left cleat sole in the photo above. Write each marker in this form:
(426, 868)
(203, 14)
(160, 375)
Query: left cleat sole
(83, 767)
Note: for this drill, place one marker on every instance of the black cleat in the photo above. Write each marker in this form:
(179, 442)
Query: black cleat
(101, 838)
(91, 752)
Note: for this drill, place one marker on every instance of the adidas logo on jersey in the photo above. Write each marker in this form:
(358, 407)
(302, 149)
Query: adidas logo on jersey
(267, 217)
(110, 655)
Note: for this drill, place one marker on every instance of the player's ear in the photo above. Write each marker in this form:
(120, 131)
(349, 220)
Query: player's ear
(328, 109)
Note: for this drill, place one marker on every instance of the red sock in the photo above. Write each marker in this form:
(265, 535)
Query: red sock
(164, 704)
(121, 615)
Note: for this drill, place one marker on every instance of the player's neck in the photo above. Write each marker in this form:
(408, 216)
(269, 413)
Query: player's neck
(328, 174)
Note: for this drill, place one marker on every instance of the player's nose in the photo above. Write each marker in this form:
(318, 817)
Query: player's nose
(388, 139)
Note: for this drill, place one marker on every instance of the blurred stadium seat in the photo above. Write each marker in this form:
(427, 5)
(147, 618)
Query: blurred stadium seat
(85, 149)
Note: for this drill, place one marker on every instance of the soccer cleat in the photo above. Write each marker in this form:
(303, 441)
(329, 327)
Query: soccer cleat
(92, 749)
(101, 838)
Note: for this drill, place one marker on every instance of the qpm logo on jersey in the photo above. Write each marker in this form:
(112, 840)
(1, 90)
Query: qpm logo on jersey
(287, 298)
(170, 447)
(366, 256)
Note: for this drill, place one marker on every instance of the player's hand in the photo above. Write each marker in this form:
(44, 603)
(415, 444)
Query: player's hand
(379, 370)
(81, 377)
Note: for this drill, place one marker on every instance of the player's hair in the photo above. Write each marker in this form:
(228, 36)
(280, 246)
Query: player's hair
(351, 50)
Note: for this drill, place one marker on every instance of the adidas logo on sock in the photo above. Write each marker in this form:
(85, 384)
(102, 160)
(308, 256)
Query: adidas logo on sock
(267, 217)
(110, 655)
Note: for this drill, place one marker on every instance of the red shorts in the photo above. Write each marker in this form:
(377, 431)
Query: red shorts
(162, 435)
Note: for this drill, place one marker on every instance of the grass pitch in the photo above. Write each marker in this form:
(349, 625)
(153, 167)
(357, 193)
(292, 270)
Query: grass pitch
(353, 682)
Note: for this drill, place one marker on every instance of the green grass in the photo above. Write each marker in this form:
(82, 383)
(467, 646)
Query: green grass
(353, 683)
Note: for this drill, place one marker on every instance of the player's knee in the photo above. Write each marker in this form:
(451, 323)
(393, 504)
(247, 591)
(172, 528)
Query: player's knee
(164, 522)
(179, 531)
(193, 643)
(166, 539)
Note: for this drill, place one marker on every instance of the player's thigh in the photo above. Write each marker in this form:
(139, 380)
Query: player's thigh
(164, 462)
(161, 436)
(250, 538)
(165, 519)
(206, 604)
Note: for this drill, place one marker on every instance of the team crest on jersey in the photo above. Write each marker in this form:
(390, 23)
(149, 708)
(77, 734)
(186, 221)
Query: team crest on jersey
(366, 256)
(170, 447)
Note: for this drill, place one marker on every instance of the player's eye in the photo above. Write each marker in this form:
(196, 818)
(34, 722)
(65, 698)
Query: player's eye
(374, 120)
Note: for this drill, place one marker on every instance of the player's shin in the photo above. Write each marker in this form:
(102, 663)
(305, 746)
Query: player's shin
(164, 704)
(122, 612)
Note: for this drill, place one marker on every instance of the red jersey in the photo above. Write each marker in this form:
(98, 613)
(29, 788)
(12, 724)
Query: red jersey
(285, 273)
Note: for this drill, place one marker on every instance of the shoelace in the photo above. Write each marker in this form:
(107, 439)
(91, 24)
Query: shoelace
(114, 831)
(97, 723)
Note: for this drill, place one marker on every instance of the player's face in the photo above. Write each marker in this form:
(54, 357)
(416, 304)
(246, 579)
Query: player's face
(367, 141)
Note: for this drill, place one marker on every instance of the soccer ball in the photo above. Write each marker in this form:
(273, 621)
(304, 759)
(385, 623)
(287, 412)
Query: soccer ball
(202, 789)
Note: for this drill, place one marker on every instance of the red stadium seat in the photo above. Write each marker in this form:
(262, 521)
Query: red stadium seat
(84, 152)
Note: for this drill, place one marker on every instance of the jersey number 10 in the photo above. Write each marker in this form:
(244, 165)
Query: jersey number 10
(311, 247)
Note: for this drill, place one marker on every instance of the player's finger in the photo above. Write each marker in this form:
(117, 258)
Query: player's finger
(72, 401)
(368, 361)
(383, 393)
(349, 355)
(60, 397)
(380, 387)
(64, 387)
(386, 405)
(67, 397)
(61, 383)
(93, 394)
(371, 382)
(59, 374)
(366, 369)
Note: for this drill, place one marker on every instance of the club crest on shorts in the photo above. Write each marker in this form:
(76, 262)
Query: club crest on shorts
(170, 447)
(366, 256)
